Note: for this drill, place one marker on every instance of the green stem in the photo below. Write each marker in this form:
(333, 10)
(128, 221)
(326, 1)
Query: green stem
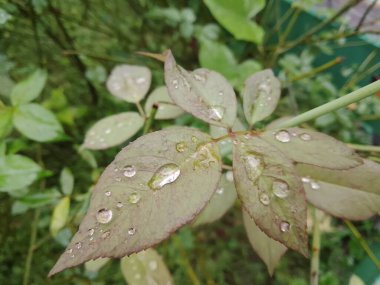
(363, 243)
(370, 148)
(341, 102)
(314, 271)
(149, 121)
(33, 237)
(140, 109)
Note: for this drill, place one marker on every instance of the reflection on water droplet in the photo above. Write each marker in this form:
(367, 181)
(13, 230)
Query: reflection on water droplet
(305, 137)
(153, 265)
(116, 169)
(230, 176)
(106, 234)
(199, 77)
(175, 83)
(91, 232)
(118, 179)
(78, 245)
(108, 193)
(306, 180)
(220, 190)
(220, 93)
(253, 166)
(107, 131)
(216, 113)
(282, 136)
(131, 231)
(264, 199)
(280, 189)
(265, 88)
(284, 226)
(204, 156)
(104, 216)
(134, 198)
(140, 80)
(181, 146)
(119, 204)
(129, 171)
(315, 185)
(70, 250)
(166, 174)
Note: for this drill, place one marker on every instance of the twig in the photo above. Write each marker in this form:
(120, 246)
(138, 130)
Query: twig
(149, 121)
(140, 109)
(365, 14)
(314, 270)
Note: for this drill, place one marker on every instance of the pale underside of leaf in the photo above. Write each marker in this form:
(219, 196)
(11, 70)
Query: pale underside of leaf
(260, 95)
(203, 93)
(258, 169)
(142, 217)
(269, 250)
(311, 147)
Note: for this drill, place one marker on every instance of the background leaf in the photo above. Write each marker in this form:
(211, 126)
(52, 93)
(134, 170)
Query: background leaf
(113, 130)
(5, 121)
(145, 268)
(203, 93)
(60, 215)
(37, 123)
(269, 250)
(66, 181)
(260, 95)
(30, 88)
(145, 194)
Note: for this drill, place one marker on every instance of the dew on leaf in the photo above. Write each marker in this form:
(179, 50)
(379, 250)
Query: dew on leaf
(181, 146)
(152, 265)
(282, 136)
(230, 176)
(216, 113)
(220, 190)
(306, 180)
(129, 171)
(280, 189)
(253, 166)
(108, 193)
(199, 77)
(284, 226)
(140, 80)
(106, 234)
(104, 216)
(91, 232)
(264, 199)
(78, 245)
(204, 156)
(194, 139)
(70, 250)
(107, 131)
(134, 198)
(265, 88)
(119, 205)
(175, 83)
(315, 185)
(166, 174)
(131, 231)
(220, 93)
(305, 137)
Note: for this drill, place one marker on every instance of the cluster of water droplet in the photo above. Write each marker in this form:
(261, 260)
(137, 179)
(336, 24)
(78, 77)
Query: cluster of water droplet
(285, 136)
(313, 184)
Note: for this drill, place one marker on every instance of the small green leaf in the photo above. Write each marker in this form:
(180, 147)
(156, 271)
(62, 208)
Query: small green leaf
(16, 172)
(261, 94)
(145, 268)
(66, 180)
(96, 265)
(203, 93)
(129, 82)
(5, 121)
(269, 250)
(166, 108)
(113, 130)
(271, 191)
(60, 215)
(310, 147)
(236, 17)
(37, 123)
(30, 88)
(222, 200)
(154, 186)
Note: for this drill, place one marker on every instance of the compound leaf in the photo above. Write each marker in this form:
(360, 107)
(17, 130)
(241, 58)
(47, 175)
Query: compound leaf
(154, 186)
(30, 88)
(203, 93)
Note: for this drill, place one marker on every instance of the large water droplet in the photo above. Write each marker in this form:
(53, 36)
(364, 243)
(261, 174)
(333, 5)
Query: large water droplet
(284, 226)
(129, 171)
(282, 136)
(280, 189)
(104, 216)
(230, 176)
(253, 166)
(220, 190)
(315, 185)
(131, 231)
(134, 198)
(181, 146)
(152, 265)
(166, 174)
(264, 199)
(216, 113)
(204, 156)
(305, 137)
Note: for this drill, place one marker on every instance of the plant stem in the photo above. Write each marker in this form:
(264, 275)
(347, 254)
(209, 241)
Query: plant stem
(365, 14)
(348, 99)
(314, 270)
(149, 121)
(33, 237)
(140, 109)
(369, 148)
(363, 243)
(94, 56)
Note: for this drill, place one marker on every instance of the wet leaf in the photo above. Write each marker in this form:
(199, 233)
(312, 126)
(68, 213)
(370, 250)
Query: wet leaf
(225, 146)
(222, 200)
(30, 88)
(352, 194)
(113, 130)
(169, 110)
(5, 121)
(311, 147)
(260, 95)
(236, 17)
(271, 191)
(129, 82)
(60, 215)
(66, 180)
(16, 172)
(146, 194)
(203, 93)
(37, 123)
(145, 268)
(269, 250)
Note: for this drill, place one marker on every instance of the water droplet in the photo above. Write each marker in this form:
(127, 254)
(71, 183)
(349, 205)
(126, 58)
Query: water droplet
(181, 146)
(116, 169)
(106, 234)
(104, 216)
(119, 204)
(305, 137)
(194, 139)
(91, 232)
(152, 265)
(70, 250)
(315, 185)
(216, 113)
(175, 83)
(107, 131)
(220, 190)
(220, 93)
(230, 176)
(265, 88)
(253, 166)
(306, 179)
(284, 226)
(140, 80)
(166, 174)
(264, 199)
(78, 245)
(118, 179)
(282, 136)
(134, 198)
(129, 171)
(102, 140)
(199, 77)
(131, 231)
(280, 189)
(108, 193)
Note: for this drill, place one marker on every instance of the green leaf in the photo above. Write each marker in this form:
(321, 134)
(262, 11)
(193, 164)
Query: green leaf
(96, 265)
(5, 121)
(30, 88)
(37, 123)
(352, 194)
(145, 268)
(260, 95)
(60, 215)
(129, 82)
(222, 200)
(271, 191)
(236, 17)
(166, 108)
(269, 250)
(66, 180)
(203, 93)
(310, 147)
(16, 172)
(154, 186)
(113, 130)
(242, 71)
